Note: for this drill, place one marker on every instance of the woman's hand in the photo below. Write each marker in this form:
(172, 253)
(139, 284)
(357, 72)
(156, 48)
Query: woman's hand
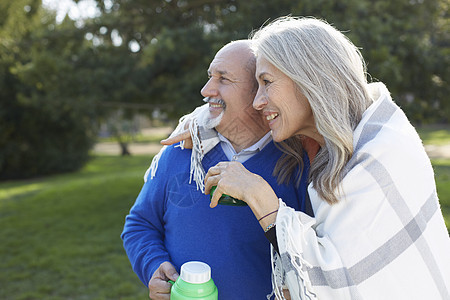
(233, 179)
(183, 136)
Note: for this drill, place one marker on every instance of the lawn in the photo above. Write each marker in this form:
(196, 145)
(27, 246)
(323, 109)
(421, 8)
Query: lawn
(434, 134)
(60, 234)
(442, 175)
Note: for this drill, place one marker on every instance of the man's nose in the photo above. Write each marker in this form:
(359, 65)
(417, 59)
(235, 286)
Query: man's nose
(209, 89)
(260, 100)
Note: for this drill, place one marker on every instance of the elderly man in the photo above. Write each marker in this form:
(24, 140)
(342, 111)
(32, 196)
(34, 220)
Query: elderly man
(171, 221)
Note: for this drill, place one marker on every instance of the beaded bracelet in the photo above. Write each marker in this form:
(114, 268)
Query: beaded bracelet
(269, 227)
(272, 212)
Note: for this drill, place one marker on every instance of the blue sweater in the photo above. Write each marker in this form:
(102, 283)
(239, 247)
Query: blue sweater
(171, 221)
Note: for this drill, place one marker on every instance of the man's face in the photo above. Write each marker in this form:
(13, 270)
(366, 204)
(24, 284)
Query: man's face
(230, 91)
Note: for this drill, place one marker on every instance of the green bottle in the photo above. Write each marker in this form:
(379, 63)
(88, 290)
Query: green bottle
(226, 199)
(194, 283)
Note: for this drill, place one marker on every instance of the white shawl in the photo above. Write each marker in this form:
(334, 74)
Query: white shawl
(386, 239)
(203, 140)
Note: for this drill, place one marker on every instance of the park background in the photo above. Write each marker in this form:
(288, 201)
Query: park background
(86, 94)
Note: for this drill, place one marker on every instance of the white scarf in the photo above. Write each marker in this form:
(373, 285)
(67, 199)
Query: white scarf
(203, 140)
(386, 238)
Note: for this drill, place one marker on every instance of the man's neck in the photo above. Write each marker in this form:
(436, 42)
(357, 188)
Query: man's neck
(242, 139)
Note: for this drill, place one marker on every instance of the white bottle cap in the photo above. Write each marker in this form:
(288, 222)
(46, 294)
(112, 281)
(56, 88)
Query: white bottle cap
(195, 272)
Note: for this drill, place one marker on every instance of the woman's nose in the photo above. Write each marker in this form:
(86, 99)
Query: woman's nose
(260, 100)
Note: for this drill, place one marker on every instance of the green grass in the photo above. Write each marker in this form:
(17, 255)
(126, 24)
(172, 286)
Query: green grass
(139, 138)
(442, 175)
(60, 235)
(434, 134)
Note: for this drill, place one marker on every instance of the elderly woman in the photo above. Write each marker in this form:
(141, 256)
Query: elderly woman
(377, 231)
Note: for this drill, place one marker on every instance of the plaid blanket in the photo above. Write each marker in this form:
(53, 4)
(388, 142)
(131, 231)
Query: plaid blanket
(386, 238)
(203, 140)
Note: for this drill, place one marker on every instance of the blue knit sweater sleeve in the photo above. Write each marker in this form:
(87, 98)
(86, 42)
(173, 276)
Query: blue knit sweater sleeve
(143, 233)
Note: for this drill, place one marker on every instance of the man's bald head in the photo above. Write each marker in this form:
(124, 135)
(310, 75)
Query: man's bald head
(242, 49)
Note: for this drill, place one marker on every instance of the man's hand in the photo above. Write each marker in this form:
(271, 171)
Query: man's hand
(158, 286)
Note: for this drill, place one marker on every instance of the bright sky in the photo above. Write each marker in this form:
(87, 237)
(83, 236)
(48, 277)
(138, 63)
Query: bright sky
(84, 9)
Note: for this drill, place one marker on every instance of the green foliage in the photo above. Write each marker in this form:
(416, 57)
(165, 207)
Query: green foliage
(405, 43)
(176, 68)
(46, 123)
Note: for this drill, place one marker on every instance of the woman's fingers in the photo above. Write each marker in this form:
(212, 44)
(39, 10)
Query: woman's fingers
(213, 171)
(233, 179)
(227, 177)
(183, 136)
(210, 181)
(213, 176)
(215, 198)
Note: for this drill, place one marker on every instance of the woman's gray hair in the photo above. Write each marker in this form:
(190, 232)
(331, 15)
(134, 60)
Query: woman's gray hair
(330, 71)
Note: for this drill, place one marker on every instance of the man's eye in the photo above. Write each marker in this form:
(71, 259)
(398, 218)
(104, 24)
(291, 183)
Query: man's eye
(266, 82)
(223, 78)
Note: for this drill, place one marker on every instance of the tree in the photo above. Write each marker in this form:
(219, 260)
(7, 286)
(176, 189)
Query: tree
(45, 117)
(404, 42)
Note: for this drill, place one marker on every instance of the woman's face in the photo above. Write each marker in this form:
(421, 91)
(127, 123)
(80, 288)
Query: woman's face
(284, 107)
